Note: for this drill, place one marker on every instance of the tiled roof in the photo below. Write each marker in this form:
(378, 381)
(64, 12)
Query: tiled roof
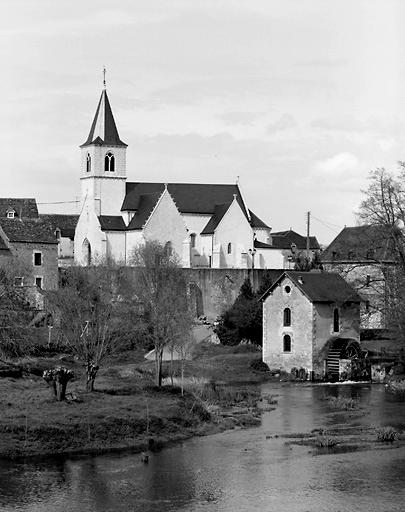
(24, 207)
(255, 222)
(197, 198)
(146, 203)
(262, 245)
(112, 223)
(29, 230)
(66, 223)
(284, 240)
(361, 244)
(320, 286)
(219, 212)
(103, 130)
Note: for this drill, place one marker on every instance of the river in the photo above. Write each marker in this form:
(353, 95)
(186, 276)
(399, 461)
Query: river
(241, 470)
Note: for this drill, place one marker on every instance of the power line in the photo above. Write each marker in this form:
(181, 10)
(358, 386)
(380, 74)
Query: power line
(328, 226)
(61, 202)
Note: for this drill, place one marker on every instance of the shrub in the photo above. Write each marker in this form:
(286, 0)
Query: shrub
(259, 365)
(341, 403)
(324, 441)
(386, 435)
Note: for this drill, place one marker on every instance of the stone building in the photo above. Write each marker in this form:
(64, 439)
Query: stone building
(311, 323)
(207, 225)
(363, 256)
(29, 244)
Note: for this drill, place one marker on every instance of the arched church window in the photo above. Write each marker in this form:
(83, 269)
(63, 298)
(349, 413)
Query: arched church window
(229, 248)
(109, 162)
(88, 163)
(192, 240)
(168, 248)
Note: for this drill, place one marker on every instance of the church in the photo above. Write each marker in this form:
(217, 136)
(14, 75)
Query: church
(206, 225)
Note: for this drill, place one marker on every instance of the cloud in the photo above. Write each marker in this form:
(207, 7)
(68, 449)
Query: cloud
(243, 118)
(339, 124)
(339, 164)
(285, 122)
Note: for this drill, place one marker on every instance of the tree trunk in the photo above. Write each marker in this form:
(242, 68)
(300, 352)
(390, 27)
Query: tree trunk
(158, 360)
(91, 373)
(60, 385)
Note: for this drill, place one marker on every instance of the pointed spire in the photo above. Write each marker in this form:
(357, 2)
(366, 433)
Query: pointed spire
(103, 131)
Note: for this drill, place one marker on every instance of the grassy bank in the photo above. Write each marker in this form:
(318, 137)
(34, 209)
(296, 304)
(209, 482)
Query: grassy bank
(127, 411)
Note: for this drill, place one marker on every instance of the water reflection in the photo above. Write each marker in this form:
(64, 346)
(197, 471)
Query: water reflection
(239, 470)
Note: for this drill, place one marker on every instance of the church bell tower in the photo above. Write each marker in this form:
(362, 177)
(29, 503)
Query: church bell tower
(103, 162)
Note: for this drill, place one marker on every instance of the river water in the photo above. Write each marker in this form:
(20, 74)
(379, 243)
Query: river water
(242, 470)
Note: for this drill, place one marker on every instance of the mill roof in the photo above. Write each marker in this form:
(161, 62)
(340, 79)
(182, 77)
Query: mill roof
(103, 130)
(29, 230)
(319, 286)
(360, 243)
(24, 207)
(64, 222)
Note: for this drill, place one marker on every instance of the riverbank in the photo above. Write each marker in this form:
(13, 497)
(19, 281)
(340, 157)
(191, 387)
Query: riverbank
(127, 412)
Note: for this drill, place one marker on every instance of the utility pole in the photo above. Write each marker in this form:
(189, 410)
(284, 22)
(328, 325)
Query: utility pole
(308, 226)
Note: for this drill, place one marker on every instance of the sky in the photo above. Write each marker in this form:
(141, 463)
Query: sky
(296, 99)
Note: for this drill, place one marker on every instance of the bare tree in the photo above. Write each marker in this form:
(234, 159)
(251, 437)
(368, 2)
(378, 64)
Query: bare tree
(162, 291)
(384, 207)
(85, 312)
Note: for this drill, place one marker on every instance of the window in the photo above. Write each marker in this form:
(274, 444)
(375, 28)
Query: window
(57, 233)
(367, 306)
(38, 282)
(287, 343)
(368, 280)
(37, 259)
(336, 320)
(229, 248)
(287, 317)
(192, 240)
(18, 281)
(287, 289)
(109, 162)
(88, 162)
(10, 214)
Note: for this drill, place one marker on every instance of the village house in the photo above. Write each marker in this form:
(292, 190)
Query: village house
(29, 244)
(282, 249)
(311, 324)
(207, 225)
(64, 226)
(362, 255)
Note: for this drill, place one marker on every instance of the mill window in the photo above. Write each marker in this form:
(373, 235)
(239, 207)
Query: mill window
(336, 320)
(287, 343)
(287, 317)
